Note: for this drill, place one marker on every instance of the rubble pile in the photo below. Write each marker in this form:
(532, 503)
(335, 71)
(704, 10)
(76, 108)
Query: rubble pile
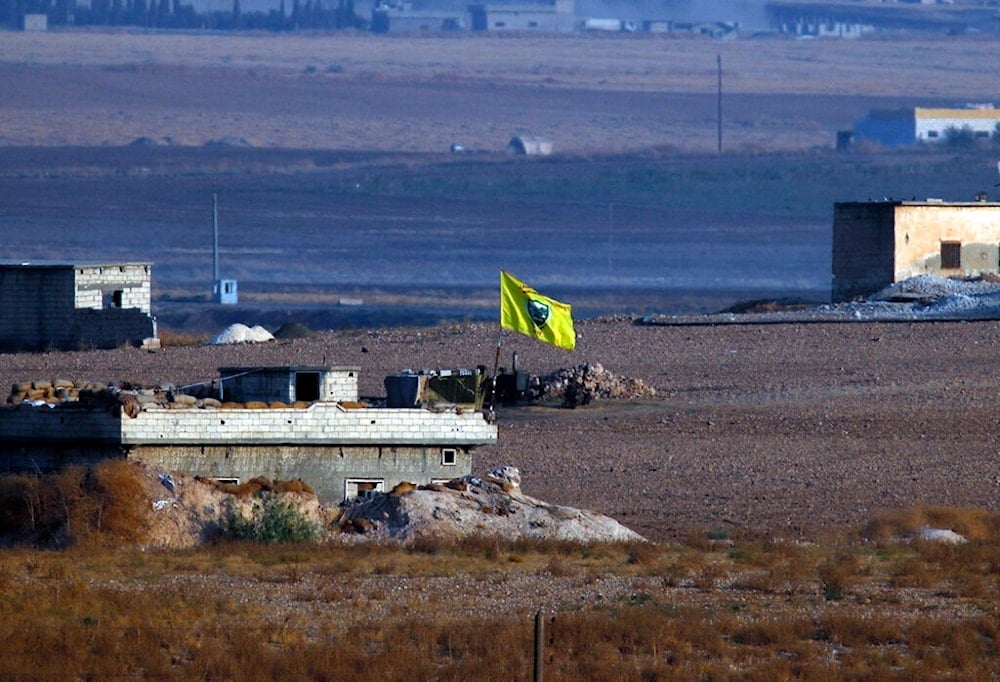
(581, 384)
(492, 505)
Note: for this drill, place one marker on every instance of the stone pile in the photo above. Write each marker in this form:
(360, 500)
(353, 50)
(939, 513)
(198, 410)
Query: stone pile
(581, 384)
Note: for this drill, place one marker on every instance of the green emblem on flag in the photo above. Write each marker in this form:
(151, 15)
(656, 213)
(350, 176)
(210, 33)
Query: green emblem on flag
(526, 311)
(537, 311)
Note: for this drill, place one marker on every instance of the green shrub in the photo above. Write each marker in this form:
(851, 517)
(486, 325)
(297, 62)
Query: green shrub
(272, 520)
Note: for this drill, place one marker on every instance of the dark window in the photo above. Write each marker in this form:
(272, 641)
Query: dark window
(449, 457)
(951, 255)
(932, 133)
(307, 386)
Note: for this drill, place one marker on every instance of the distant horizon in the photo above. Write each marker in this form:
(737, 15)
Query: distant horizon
(750, 13)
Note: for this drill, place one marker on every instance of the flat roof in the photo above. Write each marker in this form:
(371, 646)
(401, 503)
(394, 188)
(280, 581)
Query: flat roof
(43, 263)
(936, 203)
(288, 368)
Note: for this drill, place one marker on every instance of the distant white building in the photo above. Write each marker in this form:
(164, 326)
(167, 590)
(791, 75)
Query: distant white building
(899, 127)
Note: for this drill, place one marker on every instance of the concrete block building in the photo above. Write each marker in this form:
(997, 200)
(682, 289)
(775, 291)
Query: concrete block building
(878, 243)
(554, 16)
(336, 443)
(68, 306)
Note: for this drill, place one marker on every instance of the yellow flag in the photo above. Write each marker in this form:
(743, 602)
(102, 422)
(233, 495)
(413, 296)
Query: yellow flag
(524, 310)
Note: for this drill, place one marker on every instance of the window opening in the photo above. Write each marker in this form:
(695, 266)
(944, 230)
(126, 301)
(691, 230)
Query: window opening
(449, 457)
(307, 386)
(951, 255)
(362, 487)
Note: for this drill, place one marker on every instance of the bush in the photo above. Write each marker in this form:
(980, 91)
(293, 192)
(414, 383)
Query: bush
(272, 520)
(105, 503)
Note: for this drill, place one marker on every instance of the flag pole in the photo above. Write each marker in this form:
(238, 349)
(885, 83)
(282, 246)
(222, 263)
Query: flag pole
(493, 386)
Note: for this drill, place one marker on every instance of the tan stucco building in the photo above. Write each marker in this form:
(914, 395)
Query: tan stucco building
(878, 243)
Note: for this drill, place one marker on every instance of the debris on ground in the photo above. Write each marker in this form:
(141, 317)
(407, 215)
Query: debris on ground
(492, 505)
(581, 384)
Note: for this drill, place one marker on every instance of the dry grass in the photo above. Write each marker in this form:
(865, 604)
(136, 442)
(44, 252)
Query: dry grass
(170, 337)
(337, 612)
(461, 609)
(105, 504)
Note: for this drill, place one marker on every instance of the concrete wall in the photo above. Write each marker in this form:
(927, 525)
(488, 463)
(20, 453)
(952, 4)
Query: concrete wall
(36, 308)
(324, 444)
(326, 470)
(278, 384)
(863, 246)
(931, 124)
(920, 230)
(878, 243)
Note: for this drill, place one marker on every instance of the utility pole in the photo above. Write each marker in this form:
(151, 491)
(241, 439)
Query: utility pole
(718, 62)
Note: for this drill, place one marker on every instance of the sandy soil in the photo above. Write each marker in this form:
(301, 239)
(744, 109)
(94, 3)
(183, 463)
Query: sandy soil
(792, 430)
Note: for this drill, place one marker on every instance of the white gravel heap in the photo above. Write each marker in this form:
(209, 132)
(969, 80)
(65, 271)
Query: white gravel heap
(240, 333)
(492, 506)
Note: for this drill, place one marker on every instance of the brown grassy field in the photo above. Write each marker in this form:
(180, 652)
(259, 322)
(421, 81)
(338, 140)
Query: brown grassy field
(860, 605)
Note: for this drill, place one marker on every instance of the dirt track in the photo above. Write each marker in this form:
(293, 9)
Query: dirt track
(785, 430)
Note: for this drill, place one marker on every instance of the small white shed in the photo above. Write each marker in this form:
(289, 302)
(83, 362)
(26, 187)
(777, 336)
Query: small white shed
(529, 145)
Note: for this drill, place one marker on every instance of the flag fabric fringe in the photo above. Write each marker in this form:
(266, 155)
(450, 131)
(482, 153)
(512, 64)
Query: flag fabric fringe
(524, 310)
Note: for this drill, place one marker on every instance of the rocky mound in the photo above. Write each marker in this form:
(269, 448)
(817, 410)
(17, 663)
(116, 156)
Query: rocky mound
(294, 330)
(492, 505)
(584, 383)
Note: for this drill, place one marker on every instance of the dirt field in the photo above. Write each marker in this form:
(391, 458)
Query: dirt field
(349, 191)
(792, 431)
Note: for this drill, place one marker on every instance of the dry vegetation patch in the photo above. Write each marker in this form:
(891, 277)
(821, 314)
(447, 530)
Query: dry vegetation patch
(445, 610)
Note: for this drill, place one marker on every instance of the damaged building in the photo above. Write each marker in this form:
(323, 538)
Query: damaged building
(69, 306)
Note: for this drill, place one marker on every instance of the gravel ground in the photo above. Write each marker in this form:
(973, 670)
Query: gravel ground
(780, 429)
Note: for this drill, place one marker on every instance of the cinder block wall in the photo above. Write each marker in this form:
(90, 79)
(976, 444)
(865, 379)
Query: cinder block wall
(36, 308)
(863, 248)
(269, 384)
(322, 422)
(95, 281)
(324, 469)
